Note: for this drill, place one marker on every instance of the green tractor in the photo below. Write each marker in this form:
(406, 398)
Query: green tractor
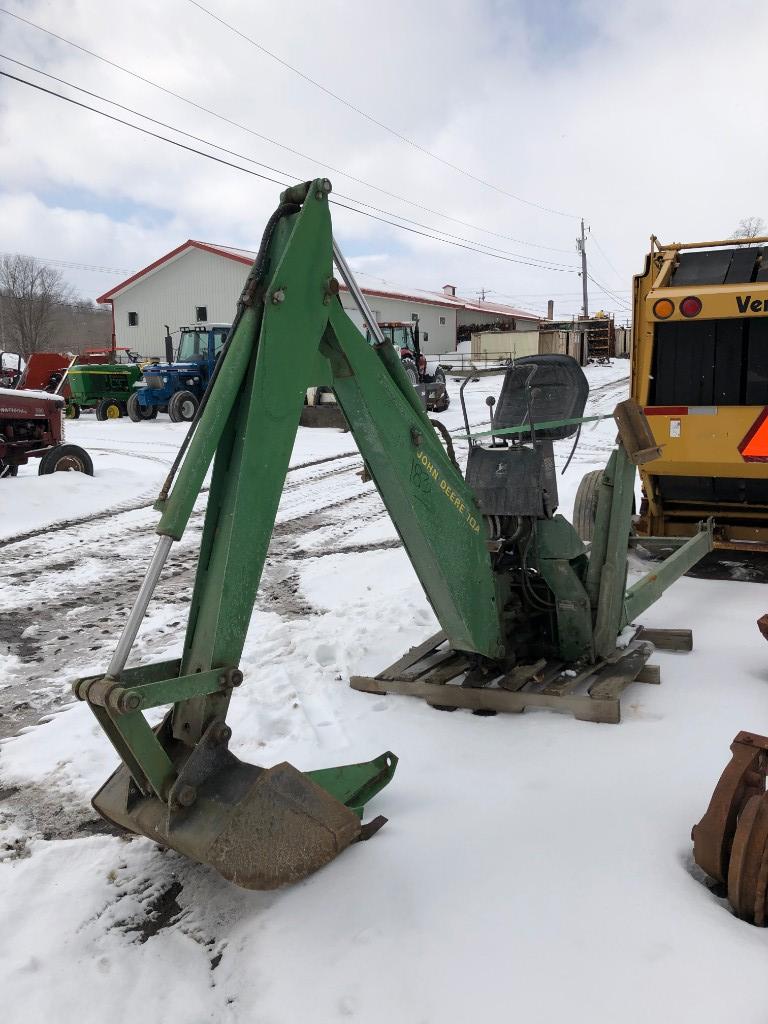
(105, 387)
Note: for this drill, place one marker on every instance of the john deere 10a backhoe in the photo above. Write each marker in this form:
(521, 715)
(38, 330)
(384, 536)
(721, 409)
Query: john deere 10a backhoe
(527, 614)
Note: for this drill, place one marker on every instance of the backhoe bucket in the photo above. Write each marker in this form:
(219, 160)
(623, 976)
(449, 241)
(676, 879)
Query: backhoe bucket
(260, 828)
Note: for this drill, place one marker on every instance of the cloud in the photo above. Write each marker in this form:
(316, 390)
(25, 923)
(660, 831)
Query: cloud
(641, 117)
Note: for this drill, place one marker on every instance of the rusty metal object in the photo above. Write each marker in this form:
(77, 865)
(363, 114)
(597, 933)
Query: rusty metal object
(748, 870)
(762, 625)
(730, 843)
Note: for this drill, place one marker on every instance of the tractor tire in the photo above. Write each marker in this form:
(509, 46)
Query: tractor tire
(138, 412)
(72, 411)
(442, 403)
(66, 458)
(182, 407)
(6, 470)
(585, 505)
(411, 372)
(108, 409)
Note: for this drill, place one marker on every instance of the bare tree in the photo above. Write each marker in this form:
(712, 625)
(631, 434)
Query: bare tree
(80, 324)
(750, 227)
(31, 293)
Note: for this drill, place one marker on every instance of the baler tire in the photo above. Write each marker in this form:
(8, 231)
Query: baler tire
(585, 505)
(108, 409)
(66, 457)
(182, 407)
(410, 370)
(72, 411)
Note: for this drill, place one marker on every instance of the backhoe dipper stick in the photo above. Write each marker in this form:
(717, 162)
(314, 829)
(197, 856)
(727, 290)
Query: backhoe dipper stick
(179, 784)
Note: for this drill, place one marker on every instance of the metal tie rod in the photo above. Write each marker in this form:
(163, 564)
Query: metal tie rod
(354, 290)
(146, 590)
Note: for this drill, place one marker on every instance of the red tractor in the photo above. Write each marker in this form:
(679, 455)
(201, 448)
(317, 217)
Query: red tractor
(427, 377)
(10, 369)
(31, 427)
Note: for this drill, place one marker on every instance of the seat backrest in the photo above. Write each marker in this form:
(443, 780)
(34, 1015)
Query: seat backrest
(554, 386)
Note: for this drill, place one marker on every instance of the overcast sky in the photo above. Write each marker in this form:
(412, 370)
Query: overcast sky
(642, 117)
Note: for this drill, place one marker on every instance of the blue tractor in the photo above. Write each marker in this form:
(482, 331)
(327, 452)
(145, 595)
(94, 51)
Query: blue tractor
(177, 385)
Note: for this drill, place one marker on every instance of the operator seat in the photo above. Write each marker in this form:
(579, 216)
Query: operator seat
(520, 480)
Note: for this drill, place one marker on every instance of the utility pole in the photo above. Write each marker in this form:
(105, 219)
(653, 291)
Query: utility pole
(581, 247)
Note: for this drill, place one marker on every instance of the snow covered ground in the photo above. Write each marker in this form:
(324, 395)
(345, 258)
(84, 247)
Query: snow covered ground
(534, 868)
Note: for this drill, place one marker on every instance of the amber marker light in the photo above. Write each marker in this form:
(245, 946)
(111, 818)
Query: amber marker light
(663, 309)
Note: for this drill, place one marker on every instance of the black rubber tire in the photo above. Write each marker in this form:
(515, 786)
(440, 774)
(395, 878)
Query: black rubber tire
(137, 412)
(585, 505)
(6, 470)
(443, 403)
(182, 407)
(72, 411)
(66, 457)
(412, 373)
(108, 409)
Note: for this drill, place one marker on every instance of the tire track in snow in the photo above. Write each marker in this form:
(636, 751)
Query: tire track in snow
(130, 506)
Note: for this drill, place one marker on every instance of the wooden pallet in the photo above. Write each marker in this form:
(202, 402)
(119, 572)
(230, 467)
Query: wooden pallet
(443, 678)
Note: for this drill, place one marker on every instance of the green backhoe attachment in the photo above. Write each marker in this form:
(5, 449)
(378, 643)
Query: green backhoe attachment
(179, 784)
(527, 611)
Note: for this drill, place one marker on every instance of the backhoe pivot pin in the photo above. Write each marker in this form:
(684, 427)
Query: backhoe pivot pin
(186, 796)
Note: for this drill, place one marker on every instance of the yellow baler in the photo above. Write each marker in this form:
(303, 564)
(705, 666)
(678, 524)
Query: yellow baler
(700, 372)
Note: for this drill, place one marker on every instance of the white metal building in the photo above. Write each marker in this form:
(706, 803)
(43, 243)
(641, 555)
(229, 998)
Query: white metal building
(200, 282)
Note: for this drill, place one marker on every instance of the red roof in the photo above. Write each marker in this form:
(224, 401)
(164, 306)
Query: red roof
(246, 257)
(454, 302)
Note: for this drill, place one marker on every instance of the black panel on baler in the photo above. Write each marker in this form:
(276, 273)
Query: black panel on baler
(757, 362)
(729, 360)
(715, 490)
(686, 488)
(684, 364)
(701, 267)
(762, 270)
(742, 268)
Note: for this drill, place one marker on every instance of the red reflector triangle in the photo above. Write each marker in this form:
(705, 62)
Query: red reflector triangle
(754, 447)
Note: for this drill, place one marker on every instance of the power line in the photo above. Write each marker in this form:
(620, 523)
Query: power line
(68, 264)
(425, 291)
(256, 134)
(373, 120)
(609, 293)
(605, 257)
(264, 177)
(530, 261)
